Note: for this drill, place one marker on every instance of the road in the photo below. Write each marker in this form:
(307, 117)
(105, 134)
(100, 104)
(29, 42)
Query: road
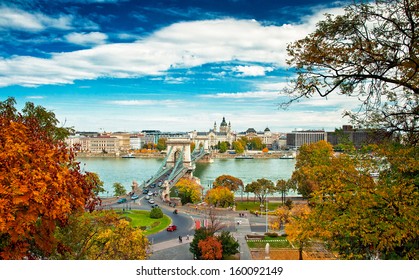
(166, 244)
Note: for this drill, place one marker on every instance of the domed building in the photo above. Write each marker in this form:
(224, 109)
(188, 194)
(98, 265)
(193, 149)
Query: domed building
(214, 136)
(265, 136)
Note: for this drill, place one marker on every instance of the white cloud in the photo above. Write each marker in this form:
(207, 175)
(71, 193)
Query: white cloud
(265, 95)
(35, 97)
(252, 71)
(87, 39)
(17, 19)
(147, 102)
(180, 45)
(132, 102)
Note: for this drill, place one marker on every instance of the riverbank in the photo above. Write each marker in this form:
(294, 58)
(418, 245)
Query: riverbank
(227, 155)
(118, 155)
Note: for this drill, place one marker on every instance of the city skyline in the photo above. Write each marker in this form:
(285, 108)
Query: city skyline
(171, 65)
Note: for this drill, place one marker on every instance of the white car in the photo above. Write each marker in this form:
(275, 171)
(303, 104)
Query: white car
(147, 197)
(151, 201)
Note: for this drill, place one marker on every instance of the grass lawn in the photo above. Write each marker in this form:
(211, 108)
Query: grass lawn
(255, 205)
(142, 218)
(274, 242)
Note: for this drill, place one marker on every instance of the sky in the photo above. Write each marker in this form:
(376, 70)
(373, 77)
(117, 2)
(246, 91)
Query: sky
(171, 65)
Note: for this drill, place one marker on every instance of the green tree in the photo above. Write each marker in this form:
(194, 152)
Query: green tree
(283, 186)
(119, 189)
(261, 188)
(229, 244)
(238, 147)
(161, 144)
(223, 147)
(369, 53)
(256, 144)
(94, 180)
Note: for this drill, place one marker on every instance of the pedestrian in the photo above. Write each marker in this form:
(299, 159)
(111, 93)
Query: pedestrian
(187, 237)
(180, 239)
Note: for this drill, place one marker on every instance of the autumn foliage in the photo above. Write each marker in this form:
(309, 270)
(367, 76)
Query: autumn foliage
(188, 190)
(228, 181)
(359, 215)
(40, 183)
(100, 235)
(220, 197)
(211, 248)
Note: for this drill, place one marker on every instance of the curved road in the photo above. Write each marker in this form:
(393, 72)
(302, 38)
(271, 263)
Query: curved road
(183, 221)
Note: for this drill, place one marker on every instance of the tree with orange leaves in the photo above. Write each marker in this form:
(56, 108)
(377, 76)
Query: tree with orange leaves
(40, 181)
(228, 181)
(211, 248)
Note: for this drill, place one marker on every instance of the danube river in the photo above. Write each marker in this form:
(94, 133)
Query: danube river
(125, 171)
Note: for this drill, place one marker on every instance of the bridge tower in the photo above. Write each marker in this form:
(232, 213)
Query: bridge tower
(180, 161)
(179, 147)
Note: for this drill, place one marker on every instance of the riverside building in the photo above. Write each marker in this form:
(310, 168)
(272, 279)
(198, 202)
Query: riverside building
(296, 139)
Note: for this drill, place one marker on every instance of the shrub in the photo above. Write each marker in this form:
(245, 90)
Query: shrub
(156, 213)
(271, 234)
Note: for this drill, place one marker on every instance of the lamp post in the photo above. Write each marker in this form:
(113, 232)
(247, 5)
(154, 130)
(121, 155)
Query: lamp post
(266, 213)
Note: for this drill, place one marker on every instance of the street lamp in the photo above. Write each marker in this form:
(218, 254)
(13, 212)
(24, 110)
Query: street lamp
(266, 213)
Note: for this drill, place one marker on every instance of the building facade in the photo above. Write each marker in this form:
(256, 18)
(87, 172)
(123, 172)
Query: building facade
(357, 136)
(296, 139)
(211, 138)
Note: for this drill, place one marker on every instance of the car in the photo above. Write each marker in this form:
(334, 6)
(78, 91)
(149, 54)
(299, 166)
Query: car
(135, 196)
(147, 197)
(145, 191)
(121, 200)
(150, 193)
(171, 228)
(151, 201)
(154, 206)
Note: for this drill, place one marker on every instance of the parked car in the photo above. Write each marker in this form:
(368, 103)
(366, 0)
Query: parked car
(151, 201)
(171, 228)
(135, 196)
(145, 191)
(122, 200)
(154, 206)
(147, 197)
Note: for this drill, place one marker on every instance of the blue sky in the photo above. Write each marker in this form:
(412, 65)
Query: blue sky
(121, 65)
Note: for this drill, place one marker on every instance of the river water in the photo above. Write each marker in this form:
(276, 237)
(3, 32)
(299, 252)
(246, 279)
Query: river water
(125, 171)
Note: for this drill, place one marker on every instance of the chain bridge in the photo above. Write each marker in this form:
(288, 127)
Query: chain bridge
(179, 162)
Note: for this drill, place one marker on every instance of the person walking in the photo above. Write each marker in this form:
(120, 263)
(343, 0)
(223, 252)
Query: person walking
(180, 239)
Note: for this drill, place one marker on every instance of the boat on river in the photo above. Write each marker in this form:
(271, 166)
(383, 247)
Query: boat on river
(128, 156)
(244, 157)
(287, 157)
